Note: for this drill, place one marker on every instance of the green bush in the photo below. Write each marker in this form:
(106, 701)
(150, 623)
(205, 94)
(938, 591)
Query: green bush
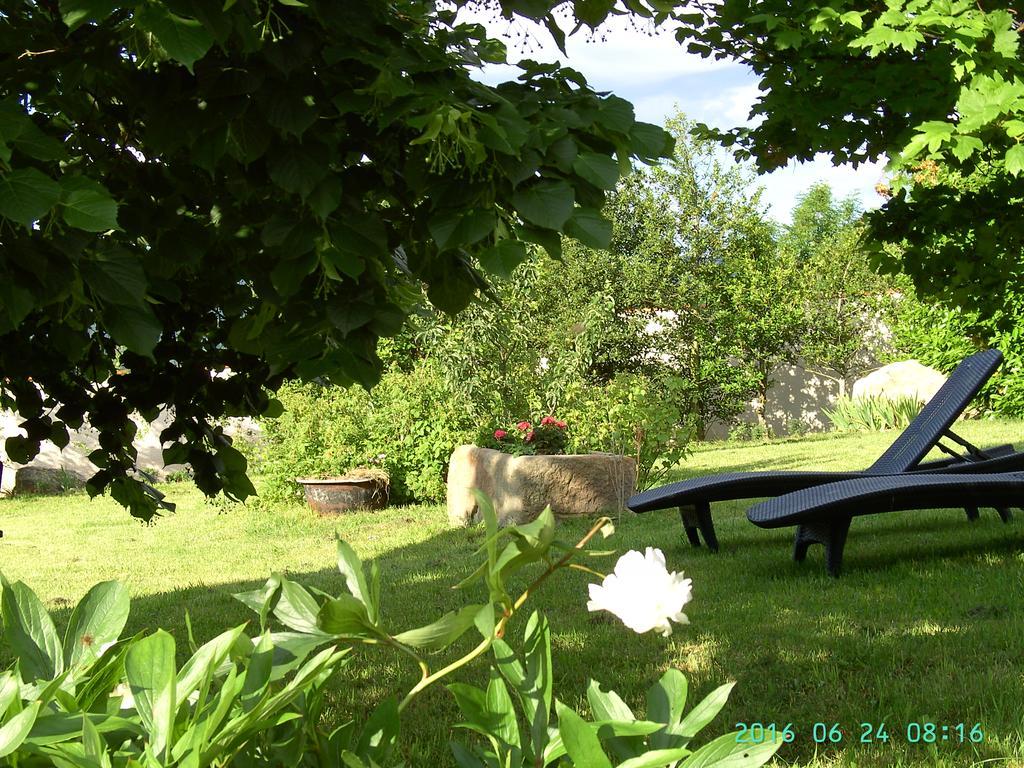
(408, 426)
(748, 432)
(630, 415)
(873, 414)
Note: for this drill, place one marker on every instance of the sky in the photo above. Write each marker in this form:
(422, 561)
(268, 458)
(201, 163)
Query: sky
(657, 75)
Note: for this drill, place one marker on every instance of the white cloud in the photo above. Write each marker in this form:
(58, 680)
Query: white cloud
(621, 55)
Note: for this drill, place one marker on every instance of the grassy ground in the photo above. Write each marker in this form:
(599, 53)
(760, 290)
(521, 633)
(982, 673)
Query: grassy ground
(924, 625)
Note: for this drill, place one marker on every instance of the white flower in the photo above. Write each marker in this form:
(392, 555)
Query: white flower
(643, 593)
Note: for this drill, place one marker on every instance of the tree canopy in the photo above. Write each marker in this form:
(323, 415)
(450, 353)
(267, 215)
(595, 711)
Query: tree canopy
(199, 201)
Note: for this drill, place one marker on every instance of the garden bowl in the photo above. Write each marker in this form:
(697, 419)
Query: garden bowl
(331, 496)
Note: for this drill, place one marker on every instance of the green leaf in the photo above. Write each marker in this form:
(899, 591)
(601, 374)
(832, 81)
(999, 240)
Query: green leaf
(725, 752)
(547, 204)
(135, 328)
(205, 662)
(344, 615)
(29, 631)
(98, 619)
(548, 239)
(502, 259)
(590, 228)
(617, 114)
(451, 229)
(665, 702)
(335, 261)
(965, 146)
(351, 568)
(607, 706)
(151, 674)
(15, 730)
(1015, 159)
(580, 739)
(77, 12)
(500, 704)
(296, 608)
(600, 170)
(297, 171)
(656, 758)
(87, 204)
(706, 710)
(116, 277)
(443, 632)
(649, 141)
(325, 197)
(26, 195)
(380, 734)
(185, 40)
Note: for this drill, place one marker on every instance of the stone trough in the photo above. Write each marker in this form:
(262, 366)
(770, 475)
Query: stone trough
(521, 486)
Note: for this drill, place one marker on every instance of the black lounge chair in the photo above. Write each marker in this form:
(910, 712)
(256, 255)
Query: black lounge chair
(694, 497)
(823, 513)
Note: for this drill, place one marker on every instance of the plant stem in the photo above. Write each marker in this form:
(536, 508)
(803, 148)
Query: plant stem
(499, 627)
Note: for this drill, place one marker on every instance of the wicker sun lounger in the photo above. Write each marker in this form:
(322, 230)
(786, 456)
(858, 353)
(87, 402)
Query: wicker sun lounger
(823, 513)
(694, 497)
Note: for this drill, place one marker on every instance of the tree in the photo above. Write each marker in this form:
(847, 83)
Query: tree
(844, 295)
(199, 201)
(675, 228)
(765, 293)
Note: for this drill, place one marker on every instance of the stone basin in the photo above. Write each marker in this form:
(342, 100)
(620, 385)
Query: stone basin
(575, 485)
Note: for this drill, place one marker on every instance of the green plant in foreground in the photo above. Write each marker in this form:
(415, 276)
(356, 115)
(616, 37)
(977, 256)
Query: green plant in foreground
(91, 699)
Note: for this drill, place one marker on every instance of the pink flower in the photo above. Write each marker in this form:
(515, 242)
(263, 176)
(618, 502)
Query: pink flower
(547, 421)
(560, 424)
(523, 425)
(499, 434)
(529, 436)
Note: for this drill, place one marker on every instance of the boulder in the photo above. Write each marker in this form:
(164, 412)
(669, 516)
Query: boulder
(904, 379)
(521, 486)
(45, 480)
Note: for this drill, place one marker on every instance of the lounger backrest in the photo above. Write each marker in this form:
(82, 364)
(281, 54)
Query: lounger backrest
(939, 414)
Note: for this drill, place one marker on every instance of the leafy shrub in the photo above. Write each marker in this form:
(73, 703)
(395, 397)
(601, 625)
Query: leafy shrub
(94, 700)
(633, 416)
(749, 432)
(797, 428)
(873, 414)
(408, 426)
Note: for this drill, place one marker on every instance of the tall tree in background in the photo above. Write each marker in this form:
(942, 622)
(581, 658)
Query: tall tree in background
(676, 229)
(844, 295)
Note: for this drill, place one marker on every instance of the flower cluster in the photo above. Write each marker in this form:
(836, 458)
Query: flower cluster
(547, 437)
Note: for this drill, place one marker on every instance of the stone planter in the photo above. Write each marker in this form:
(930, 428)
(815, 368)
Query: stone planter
(521, 486)
(332, 496)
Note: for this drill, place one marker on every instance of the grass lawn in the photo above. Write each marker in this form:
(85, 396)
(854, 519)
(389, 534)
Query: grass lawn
(926, 623)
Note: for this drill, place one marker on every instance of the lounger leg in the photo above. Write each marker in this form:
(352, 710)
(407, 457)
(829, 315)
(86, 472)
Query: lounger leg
(832, 534)
(801, 542)
(972, 513)
(706, 525)
(688, 514)
(1004, 514)
(697, 517)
